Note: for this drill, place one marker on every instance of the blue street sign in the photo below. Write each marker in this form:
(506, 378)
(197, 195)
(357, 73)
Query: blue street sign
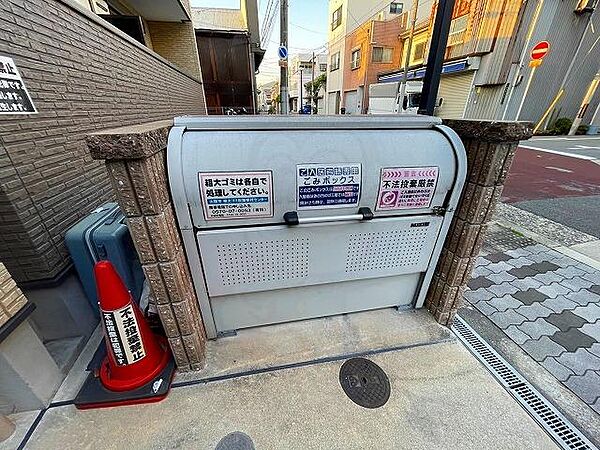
(282, 51)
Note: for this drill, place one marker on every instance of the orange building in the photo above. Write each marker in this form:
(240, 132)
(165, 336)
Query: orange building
(372, 48)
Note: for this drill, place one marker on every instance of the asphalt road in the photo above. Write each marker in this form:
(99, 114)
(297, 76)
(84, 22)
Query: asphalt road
(558, 178)
(577, 146)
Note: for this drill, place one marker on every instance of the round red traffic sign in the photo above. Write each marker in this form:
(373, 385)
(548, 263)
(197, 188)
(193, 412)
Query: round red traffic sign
(540, 50)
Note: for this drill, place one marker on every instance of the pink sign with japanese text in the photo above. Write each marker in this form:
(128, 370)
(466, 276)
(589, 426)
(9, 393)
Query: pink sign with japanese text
(406, 187)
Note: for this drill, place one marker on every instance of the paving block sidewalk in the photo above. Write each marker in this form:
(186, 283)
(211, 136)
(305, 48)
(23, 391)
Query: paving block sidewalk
(544, 301)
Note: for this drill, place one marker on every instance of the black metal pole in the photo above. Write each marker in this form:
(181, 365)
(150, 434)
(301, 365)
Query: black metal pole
(435, 59)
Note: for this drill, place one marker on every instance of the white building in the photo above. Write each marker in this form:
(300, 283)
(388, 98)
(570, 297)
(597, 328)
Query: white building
(301, 72)
(265, 96)
(344, 17)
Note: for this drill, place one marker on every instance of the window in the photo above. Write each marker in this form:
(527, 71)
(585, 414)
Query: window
(458, 27)
(418, 51)
(336, 18)
(355, 62)
(322, 67)
(414, 99)
(382, 55)
(396, 7)
(335, 61)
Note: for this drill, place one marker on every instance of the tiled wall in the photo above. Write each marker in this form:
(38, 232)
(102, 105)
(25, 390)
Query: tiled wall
(83, 75)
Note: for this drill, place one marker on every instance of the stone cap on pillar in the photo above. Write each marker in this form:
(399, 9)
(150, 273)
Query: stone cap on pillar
(491, 131)
(129, 142)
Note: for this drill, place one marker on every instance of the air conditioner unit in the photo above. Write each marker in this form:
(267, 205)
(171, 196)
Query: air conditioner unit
(99, 6)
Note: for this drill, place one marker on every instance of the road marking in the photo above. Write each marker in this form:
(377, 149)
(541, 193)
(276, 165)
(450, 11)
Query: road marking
(556, 152)
(583, 147)
(560, 169)
(587, 138)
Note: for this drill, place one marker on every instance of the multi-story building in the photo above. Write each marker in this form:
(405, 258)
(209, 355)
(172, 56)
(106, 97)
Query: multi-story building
(486, 73)
(345, 16)
(301, 72)
(460, 67)
(265, 96)
(372, 48)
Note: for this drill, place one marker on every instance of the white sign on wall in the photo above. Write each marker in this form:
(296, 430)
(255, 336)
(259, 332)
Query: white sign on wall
(14, 98)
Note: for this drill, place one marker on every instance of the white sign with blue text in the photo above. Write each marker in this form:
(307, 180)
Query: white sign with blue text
(322, 186)
(236, 195)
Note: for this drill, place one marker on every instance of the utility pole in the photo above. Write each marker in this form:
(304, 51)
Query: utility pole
(402, 92)
(300, 101)
(435, 59)
(314, 95)
(585, 103)
(283, 32)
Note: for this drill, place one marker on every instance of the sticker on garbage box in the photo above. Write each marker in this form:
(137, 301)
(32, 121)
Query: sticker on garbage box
(236, 195)
(328, 185)
(406, 187)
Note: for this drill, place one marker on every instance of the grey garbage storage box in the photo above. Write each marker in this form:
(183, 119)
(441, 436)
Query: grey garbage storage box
(287, 218)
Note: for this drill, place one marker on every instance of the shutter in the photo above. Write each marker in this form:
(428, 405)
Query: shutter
(351, 102)
(454, 89)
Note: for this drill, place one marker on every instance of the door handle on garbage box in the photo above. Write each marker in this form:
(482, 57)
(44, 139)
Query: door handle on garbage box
(291, 217)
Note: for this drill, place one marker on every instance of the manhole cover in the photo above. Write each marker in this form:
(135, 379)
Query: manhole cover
(235, 441)
(365, 383)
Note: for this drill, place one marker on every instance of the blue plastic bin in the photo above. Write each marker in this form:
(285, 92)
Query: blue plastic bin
(103, 235)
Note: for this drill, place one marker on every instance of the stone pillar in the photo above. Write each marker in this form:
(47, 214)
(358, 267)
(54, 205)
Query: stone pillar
(7, 428)
(136, 162)
(490, 148)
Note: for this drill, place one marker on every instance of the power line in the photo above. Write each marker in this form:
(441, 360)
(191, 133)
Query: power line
(307, 29)
(324, 48)
(268, 21)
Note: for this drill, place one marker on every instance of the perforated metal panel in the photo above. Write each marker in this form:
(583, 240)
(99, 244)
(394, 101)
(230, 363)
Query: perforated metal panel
(385, 249)
(263, 261)
(250, 259)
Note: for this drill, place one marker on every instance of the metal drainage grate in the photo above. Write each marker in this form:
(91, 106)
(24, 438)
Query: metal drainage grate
(555, 424)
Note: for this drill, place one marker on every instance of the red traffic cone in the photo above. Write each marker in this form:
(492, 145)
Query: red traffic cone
(135, 355)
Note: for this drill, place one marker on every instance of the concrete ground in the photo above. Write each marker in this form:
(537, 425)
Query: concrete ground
(279, 385)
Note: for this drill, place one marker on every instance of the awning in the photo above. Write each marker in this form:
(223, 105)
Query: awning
(161, 10)
(419, 73)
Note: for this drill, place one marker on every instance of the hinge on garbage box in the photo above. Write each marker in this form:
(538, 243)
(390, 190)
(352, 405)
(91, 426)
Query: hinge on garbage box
(439, 210)
(227, 333)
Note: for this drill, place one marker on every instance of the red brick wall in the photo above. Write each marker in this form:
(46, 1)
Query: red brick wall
(82, 76)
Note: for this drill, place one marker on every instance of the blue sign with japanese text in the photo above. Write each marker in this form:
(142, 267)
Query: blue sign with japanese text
(328, 185)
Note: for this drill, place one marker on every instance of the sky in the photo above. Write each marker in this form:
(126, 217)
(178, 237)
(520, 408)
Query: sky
(307, 30)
